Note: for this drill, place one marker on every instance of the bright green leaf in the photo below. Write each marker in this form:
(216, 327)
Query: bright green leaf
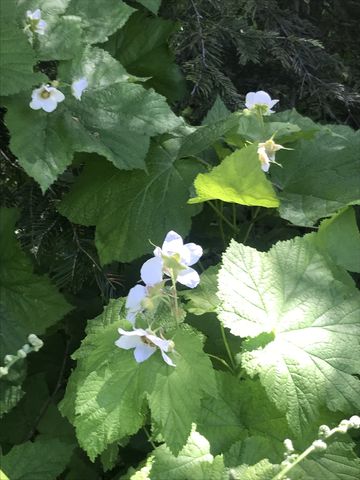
(193, 462)
(152, 5)
(119, 203)
(175, 400)
(217, 112)
(309, 349)
(238, 179)
(29, 302)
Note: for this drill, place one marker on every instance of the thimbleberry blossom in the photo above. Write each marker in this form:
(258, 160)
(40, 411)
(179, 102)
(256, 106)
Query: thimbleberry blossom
(35, 22)
(175, 257)
(78, 86)
(150, 275)
(145, 344)
(46, 97)
(262, 99)
(266, 152)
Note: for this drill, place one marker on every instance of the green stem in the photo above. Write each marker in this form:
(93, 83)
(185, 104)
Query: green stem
(175, 297)
(301, 457)
(227, 347)
(222, 216)
(222, 361)
(149, 437)
(251, 225)
(234, 216)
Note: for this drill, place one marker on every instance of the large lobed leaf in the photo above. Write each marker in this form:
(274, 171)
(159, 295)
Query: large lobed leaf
(120, 203)
(238, 179)
(107, 392)
(306, 322)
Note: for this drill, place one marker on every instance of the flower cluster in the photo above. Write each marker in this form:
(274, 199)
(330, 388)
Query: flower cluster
(35, 23)
(266, 152)
(174, 260)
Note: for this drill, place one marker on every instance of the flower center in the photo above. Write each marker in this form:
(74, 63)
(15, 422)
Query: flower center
(147, 342)
(45, 94)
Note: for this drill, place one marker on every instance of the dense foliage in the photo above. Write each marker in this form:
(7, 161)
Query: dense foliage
(124, 123)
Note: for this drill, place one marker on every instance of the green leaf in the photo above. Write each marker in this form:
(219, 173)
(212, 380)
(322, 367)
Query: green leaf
(203, 299)
(142, 46)
(10, 395)
(29, 303)
(240, 410)
(339, 237)
(44, 459)
(152, 5)
(107, 403)
(309, 320)
(63, 37)
(114, 119)
(17, 57)
(238, 179)
(175, 399)
(193, 462)
(100, 19)
(263, 470)
(217, 112)
(319, 176)
(118, 202)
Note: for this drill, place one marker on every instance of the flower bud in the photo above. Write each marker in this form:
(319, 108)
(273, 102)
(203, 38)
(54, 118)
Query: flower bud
(8, 358)
(288, 446)
(21, 353)
(343, 426)
(319, 445)
(355, 421)
(3, 371)
(324, 431)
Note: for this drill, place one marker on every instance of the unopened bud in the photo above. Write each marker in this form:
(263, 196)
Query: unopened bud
(288, 446)
(324, 431)
(21, 353)
(35, 342)
(3, 371)
(343, 426)
(319, 445)
(355, 421)
(8, 358)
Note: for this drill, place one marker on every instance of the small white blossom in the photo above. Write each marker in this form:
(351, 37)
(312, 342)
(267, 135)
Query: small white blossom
(46, 97)
(186, 255)
(262, 99)
(151, 274)
(266, 152)
(35, 22)
(78, 86)
(319, 445)
(145, 343)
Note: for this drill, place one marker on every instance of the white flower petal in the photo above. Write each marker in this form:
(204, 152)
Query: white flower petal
(249, 100)
(34, 104)
(194, 252)
(56, 94)
(159, 342)
(140, 332)
(128, 342)
(157, 252)
(265, 167)
(135, 296)
(262, 98)
(78, 86)
(143, 352)
(273, 103)
(131, 316)
(167, 359)
(188, 277)
(151, 271)
(36, 14)
(49, 105)
(173, 243)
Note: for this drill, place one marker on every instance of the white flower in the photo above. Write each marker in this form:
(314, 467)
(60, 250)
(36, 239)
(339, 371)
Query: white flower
(36, 24)
(266, 152)
(262, 99)
(46, 97)
(145, 344)
(151, 274)
(78, 86)
(173, 249)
